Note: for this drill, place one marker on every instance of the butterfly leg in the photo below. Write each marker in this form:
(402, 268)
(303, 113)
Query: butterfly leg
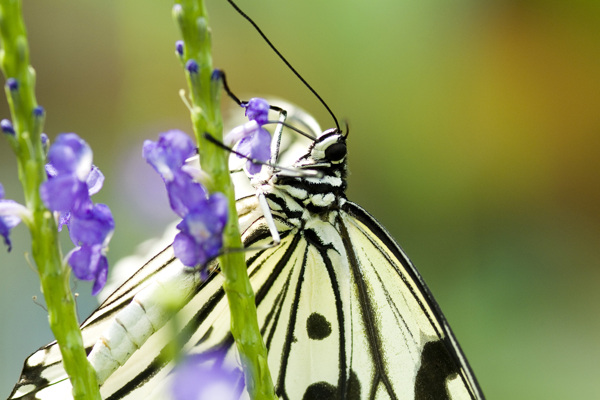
(262, 201)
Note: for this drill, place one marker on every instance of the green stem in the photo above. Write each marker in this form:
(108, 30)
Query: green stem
(54, 275)
(205, 94)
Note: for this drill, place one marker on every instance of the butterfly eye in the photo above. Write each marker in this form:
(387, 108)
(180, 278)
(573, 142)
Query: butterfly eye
(336, 152)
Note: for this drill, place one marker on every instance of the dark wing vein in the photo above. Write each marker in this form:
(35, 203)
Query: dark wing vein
(368, 314)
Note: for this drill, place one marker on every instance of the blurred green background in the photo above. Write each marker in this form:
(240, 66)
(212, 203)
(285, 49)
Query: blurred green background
(475, 139)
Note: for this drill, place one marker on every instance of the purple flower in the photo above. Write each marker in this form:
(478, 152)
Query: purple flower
(12, 84)
(39, 112)
(91, 233)
(192, 66)
(89, 263)
(7, 127)
(94, 181)
(184, 193)
(254, 140)
(71, 154)
(70, 166)
(201, 230)
(65, 193)
(72, 179)
(96, 227)
(201, 236)
(168, 155)
(179, 47)
(7, 222)
(11, 214)
(203, 376)
(256, 146)
(257, 109)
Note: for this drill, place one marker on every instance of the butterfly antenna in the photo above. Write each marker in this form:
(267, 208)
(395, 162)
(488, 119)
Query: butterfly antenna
(217, 73)
(293, 128)
(286, 62)
(296, 172)
(220, 74)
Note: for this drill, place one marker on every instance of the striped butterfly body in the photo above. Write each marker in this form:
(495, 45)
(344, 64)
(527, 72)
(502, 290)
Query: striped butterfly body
(342, 310)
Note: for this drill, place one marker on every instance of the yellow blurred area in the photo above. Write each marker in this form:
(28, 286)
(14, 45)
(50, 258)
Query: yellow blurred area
(474, 138)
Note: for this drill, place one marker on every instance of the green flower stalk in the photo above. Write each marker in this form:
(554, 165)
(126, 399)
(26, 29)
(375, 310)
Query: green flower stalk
(204, 93)
(27, 123)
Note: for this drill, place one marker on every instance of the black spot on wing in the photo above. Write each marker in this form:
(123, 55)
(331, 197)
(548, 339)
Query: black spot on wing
(437, 367)
(320, 390)
(317, 327)
(327, 391)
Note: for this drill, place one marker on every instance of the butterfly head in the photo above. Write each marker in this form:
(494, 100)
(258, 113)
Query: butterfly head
(329, 148)
(319, 182)
(327, 155)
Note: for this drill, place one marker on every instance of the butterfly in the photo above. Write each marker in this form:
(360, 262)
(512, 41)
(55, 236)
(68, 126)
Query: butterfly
(342, 310)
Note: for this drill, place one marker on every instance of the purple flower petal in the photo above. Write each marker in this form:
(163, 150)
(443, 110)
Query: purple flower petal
(94, 180)
(93, 228)
(185, 194)
(219, 209)
(201, 236)
(84, 261)
(11, 214)
(101, 275)
(206, 222)
(12, 84)
(51, 172)
(89, 263)
(8, 219)
(70, 154)
(240, 132)
(7, 127)
(179, 47)
(93, 233)
(254, 142)
(257, 110)
(65, 193)
(39, 112)
(192, 66)
(168, 154)
(64, 218)
(187, 250)
(203, 376)
(256, 146)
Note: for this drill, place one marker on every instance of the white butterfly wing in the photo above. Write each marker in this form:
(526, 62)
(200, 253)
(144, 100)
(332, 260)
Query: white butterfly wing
(293, 286)
(345, 315)
(400, 337)
(341, 309)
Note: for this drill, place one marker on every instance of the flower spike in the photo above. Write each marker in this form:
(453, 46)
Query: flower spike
(72, 180)
(201, 231)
